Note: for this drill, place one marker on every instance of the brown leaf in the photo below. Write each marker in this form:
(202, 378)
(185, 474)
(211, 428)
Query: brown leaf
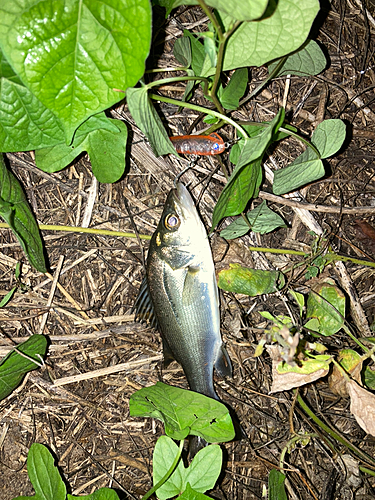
(362, 405)
(290, 380)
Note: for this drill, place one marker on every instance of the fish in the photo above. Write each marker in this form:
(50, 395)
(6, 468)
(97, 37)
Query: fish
(179, 295)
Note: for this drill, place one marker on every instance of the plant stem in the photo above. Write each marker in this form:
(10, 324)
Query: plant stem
(174, 79)
(361, 454)
(273, 73)
(168, 474)
(72, 229)
(200, 109)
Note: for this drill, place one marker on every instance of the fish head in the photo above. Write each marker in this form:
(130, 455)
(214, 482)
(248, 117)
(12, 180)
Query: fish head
(180, 232)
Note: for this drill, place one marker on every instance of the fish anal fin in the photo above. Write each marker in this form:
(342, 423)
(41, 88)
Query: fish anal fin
(223, 364)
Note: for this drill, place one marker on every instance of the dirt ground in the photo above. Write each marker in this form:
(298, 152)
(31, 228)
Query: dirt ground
(86, 423)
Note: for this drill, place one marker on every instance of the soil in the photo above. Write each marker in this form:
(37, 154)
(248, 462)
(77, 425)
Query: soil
(86, 423)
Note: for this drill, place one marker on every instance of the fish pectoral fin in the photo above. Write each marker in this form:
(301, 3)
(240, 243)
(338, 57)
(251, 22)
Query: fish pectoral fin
(223, 364)
(143, 307)
(168, 355)
(190, 285)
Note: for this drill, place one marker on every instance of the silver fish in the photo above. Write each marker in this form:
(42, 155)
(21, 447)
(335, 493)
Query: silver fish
(179, 295)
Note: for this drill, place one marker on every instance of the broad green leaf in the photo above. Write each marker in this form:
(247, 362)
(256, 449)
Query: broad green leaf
(43, 474)
(239, 279)
(306, 168)
(100, 494)
(247, 176)
(183, 412)
(182, 51)
(17, 213)
(14, 366)
(242, 186)
(328, 137)
(326, 305)
(205, 468)
(262, 220)
(276, 486)
(231, 95)
(72, 54)
(245, 10)
(308, 60)
(25, 123)
(148, 121)
(202, 473)
(190, 494)
(102, 138)
(284, 31)
(307, 366)
(165, 452)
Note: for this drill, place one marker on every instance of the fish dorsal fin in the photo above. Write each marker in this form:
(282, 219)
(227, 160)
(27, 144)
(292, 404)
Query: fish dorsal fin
(190, 285)
(223, 364)
(143, 307)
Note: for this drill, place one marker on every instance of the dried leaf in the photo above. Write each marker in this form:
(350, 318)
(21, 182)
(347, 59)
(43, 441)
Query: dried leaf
(362, 405)
(290, 380)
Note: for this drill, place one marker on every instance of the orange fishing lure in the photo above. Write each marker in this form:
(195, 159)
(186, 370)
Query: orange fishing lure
(205, 145)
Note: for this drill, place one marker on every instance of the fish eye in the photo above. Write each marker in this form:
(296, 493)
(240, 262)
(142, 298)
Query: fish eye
(172, 222)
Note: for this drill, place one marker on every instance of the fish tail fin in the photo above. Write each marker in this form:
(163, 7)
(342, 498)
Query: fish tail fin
(223, 364)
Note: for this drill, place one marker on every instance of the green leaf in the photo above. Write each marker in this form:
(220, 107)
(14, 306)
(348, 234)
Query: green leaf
(102, 138)
(14, 366)
(326, 304)
(17, 213)
(202, 473)
(246, 10)
(242, 186)
(100, 494)
(247, 176)
(72, 54)
(205, 468)
(239, 279)
(148, 121)
(262, 220)
(165, 452)
(182, 51)
(25, 123)
(183, 412)
(231, 95)
(328, 137)
(7, 297)
(198, 54)
(300, 299)
(308, 60)
(43, 474)
(276, 485)
(274, 36)
(190, 494)
(305, 168)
